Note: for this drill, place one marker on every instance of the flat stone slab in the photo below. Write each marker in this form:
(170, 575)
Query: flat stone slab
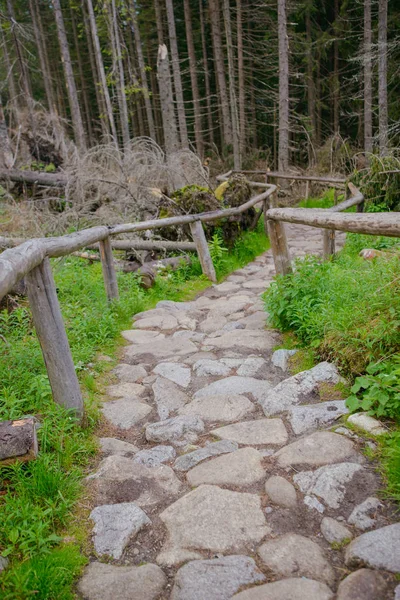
(280, 358)
(363, 515)
(363, 584)
(255, 284)
(293, 554)
(228, 306)
(211, 519)
(130, 373)
(175, 372)
(329, 482)
(235, 385)
(334, 531)
(378, 549)
(166, 348)
(311, 416)
(280, 491)
(125, 413)
(101, 581)
(215, 579)
(292, 390)
(190, 460)
(245, 339)
(253, 433)
(155, 456)
(288, 589)
(136, 336)
(162, 322)
(168, 397)
(317, 449)
(120, 479)
(114, 446)
(115, 526)
(212, 324)
(219, 408)
(126, 390)
(251, 366)
(367, 423)
(179, 430)
(211, 367)
(240, 468)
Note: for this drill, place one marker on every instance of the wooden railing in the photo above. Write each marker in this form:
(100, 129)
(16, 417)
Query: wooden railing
(30, 260)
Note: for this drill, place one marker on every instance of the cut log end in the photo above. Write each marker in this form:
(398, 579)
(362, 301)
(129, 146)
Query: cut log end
(18, 441)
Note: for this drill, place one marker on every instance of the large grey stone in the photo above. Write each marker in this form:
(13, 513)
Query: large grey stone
(161, 322)
(328, 483)
(312, 416)
(125, 413)
(120, 479)
(227, 287)
(334, 531)
(106, 582)
(126, 390)
(228, 306)
(155, 456)
(293, 554)
(253, 433)
(219, 408)
(136, 336)
(397, 592)
(240, 468)
(363, 584)
(130, 373)
(190, 460)
(178, 430)
(113, 446)
(115, 526)
(280, 358)
(211, 367)
(320, 448)
(255, 284)
(199, 356)
(245, 339)
(362, 515)
(367, 423)
(195, 336)
(281, 491)
(377, 549)
(174, 372)
(288, 589)
(235, 385)
(211, 519)
(251, 366)
(292, 390)
(215, 579)
(212, 324)
(163, 349)
(168, 397)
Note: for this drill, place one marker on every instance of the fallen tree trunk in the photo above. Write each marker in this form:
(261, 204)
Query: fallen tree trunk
(18, 441)
(32, 177)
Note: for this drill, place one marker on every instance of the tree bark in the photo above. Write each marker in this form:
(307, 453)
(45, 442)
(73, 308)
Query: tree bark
(336, 84)
(6, 155)
(39, 39)
(382, 77)
(76, 116)
(101, 71)
(167, 103)
(119, 66)
(193, 79)
(177, 75)
(232, 92)
(283, 151)
(159, 22)
(368, 141)
(206, 74)
(241, 79)
(220, 71)
(310, 79)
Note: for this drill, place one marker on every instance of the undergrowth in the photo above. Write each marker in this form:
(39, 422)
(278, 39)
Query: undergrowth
(38, 498)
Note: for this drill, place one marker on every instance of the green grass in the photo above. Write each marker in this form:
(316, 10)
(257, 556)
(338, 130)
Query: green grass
(38, 499)
(326, 201)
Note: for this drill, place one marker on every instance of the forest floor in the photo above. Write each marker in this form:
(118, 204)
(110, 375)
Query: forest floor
(222, 476)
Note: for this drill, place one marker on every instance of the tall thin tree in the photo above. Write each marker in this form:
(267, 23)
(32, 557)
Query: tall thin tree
(382, 77)
(198, 133)
(206, 73)
(120, 78)
(44, 68)
(367, 59)
(171, 138)
(283, 148)
(241, 78)
(231, 80)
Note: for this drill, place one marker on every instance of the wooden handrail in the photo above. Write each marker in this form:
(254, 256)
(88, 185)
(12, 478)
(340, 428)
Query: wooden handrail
(277, 175)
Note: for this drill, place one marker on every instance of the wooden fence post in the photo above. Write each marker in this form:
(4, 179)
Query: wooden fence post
(109, 272)
(280, 249)
(203, 251)
(328, 237)
(49, 325)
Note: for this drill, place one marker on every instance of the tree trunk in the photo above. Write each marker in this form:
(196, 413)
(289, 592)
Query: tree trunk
(206, 74)
(310, 80)
(368, 143)
(39, 39)
(382, 83)
(283, 152)
(6, 155)
(117, 59)
(193, 79)
(159, 22)
(143, 75)
(336, 85)
(101, 71)
(232, 92)
(220, 70)
(12, 90)
(241, 79)
(177, 75)
(77, 123)
(167, 102)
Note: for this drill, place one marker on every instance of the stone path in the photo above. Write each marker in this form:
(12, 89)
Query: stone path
(224, 477)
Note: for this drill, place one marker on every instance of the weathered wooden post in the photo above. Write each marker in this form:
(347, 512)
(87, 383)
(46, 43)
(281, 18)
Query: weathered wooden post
(328, 237)
(277, 237)
(53, 339)
(109, 272)
(203, 251)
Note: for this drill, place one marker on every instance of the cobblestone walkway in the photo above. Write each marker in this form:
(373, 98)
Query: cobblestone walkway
(223, 476)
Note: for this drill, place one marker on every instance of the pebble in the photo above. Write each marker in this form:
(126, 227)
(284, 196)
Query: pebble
(361, 514)
(281, 492)
(334, 532)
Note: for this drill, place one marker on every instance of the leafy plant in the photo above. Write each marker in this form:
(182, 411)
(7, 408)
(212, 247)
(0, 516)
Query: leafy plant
(378, 391)
(217, 249)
